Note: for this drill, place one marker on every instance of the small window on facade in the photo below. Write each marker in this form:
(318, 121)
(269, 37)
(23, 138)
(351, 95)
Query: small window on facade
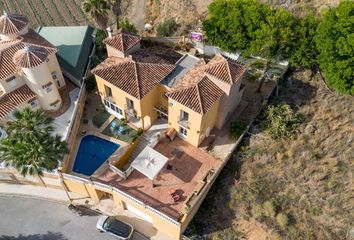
(54, 75)
(48, 87)
(54, 104)
(13, 83)
(184, 116)
(183, 131)
(33, 104)
(108, 91)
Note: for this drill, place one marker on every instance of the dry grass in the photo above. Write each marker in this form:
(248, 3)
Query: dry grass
(309, 179)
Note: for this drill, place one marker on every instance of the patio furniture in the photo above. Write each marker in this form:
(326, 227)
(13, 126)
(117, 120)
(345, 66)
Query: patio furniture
(176, 197)
(172, 192)
(171, 133)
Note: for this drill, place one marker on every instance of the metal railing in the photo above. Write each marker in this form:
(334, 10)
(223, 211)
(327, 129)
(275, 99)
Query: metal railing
(184, 122)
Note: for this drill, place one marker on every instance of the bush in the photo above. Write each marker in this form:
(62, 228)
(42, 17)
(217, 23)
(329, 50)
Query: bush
(140, 131)
(257, 211)
(236, 129)
(282, 220)
(166, 28)
(90, 83)
(128, 27)
(282, 121)
(269, 209)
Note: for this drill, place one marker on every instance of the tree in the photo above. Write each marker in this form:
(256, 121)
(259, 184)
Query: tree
(30, 147)
(335, 43)
(166, 28)
(305, 52)
(128, 27)
(98, 11)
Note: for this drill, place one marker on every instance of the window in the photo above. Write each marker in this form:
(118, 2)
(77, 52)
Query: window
(55, 78)
(184, 116)
(54, 104)
(48, 87)
(13, 83)
(183, 131)
(113, 107)
(130, 103)
(54, 75)
(108, 91)
(33, 103)
(118, 110)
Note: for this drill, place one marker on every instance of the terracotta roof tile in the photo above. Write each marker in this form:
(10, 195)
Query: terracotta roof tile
(134, 78)
(199, 97)
(11, 24)
(30, 57)
(225, 69)
(12, 100)
(9, 48)
(122, 41)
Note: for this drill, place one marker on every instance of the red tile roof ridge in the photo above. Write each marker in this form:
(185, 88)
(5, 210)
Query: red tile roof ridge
(11, 100)
(12, 23)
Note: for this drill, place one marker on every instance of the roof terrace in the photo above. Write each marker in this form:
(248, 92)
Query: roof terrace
(184, 173)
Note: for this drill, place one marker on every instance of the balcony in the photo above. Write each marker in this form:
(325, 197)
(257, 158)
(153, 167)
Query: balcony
(184, 122)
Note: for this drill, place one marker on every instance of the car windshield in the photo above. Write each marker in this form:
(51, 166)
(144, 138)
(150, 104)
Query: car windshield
(117, 227)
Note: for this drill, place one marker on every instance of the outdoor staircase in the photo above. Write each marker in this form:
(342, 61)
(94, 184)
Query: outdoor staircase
(139, 148)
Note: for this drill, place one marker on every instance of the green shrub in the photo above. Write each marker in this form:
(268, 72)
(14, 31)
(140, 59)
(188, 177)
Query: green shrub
(258, 64)
(140, 131)
(282, 121)
(269, 209)
(257, 211)
(236, 129)
(167, 28)
(282, 220)
(128, 27)
(90, 83)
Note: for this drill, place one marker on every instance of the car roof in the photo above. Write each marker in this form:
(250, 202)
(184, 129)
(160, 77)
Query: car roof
(117, 227)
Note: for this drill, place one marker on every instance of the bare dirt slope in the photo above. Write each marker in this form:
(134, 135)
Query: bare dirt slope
(310, 179)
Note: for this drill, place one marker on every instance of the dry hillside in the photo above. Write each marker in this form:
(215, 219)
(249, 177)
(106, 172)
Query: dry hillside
(309, 179)
(188, 13)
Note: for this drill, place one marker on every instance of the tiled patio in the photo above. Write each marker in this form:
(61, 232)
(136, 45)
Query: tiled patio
(184, 171)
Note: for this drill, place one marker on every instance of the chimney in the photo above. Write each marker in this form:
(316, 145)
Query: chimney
(109, 31)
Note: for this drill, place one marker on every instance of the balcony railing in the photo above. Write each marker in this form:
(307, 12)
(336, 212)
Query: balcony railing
(184, 122)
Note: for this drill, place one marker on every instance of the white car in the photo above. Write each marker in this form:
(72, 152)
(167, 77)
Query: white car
(115, 227)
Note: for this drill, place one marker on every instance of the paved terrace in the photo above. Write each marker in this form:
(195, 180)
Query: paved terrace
(184, 172)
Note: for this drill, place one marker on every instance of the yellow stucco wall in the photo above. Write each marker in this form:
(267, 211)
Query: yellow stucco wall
(163, 100)
(144, 107)
(198, 123)
(208, 121)
(163, 225)
(195, 119)
(148, 113)
(118, 96)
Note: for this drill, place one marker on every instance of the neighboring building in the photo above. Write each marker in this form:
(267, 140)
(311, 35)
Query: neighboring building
(29, 71)
(75, 45)
(194, 95)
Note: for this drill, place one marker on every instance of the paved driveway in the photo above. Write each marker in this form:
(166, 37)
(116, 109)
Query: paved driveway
(32, 219)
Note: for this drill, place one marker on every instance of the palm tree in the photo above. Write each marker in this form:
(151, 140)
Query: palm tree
(30, 147)
(98, 11)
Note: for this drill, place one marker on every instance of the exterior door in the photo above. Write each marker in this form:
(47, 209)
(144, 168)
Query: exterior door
(138, 212)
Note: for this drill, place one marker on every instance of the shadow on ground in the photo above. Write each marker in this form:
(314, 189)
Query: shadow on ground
(46, 236)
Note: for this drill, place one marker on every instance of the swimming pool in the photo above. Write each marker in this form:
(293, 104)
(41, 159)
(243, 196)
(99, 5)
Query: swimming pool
(93, 151)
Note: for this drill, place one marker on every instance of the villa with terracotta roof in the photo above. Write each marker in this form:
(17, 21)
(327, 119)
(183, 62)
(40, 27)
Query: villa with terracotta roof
(162, 176)
(193, 95)
(29, 71)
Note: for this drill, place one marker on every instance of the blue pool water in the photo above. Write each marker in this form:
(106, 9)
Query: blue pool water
(93, 151)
